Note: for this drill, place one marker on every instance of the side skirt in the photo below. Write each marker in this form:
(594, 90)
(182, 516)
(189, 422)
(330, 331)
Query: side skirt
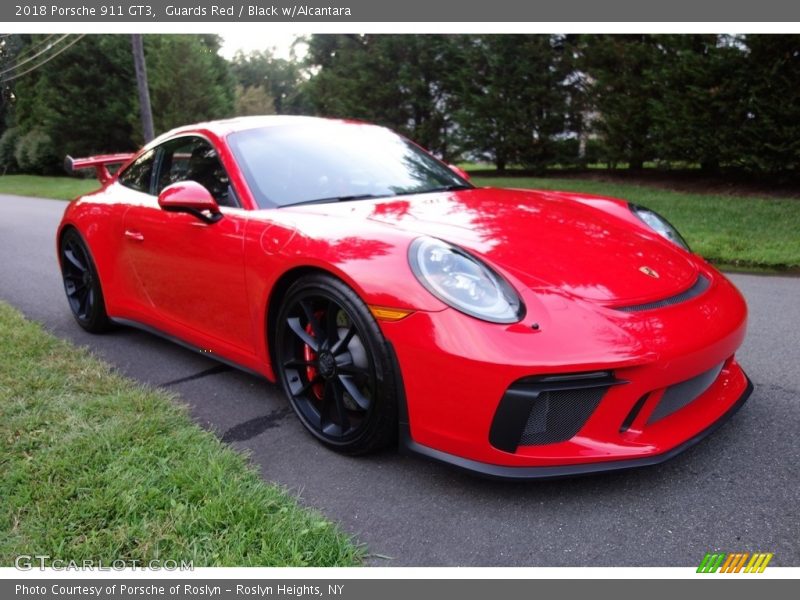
(187, 345)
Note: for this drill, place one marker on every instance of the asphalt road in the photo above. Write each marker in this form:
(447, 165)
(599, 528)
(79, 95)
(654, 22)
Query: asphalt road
(736, 491)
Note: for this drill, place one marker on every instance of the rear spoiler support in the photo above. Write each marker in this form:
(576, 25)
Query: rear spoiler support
(99, 163)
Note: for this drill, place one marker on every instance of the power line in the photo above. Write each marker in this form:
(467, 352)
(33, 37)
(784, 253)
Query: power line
(45, 61)
(27, 50)
(35, 44)
(30, 58)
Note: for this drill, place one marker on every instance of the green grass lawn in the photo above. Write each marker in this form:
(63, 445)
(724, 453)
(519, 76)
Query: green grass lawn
(95, 466)
(728, 230)
(59, 188)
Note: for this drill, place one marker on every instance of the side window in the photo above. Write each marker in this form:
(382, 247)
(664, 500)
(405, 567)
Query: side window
(194, 158)
(139, 175)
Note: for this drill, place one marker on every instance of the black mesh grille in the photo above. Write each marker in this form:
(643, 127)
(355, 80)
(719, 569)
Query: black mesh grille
(546, 409)
(558, 415)
(699, 286)
(679, 395)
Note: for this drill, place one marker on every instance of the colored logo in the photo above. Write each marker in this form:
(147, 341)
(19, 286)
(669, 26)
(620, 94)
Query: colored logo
(735, 562)
(649, 272)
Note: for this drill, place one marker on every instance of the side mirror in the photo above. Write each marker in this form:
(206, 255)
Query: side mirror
(460, 172)
(190, 197)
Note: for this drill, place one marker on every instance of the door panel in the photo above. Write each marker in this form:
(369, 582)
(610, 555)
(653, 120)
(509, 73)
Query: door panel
(192, 273)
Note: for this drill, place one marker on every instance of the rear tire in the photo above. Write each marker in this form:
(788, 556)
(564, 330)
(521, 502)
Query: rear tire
(82, 283)
(334, 366)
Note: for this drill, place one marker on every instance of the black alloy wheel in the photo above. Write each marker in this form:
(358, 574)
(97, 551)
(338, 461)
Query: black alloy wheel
(82, 284)
(334, 366)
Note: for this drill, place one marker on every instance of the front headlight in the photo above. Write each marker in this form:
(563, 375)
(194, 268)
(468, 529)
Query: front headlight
(464, 282)
(659, 224)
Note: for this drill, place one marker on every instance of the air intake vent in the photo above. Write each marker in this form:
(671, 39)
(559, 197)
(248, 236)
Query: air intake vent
(699, 286)
(679, 395)
(558, 415)
(547, 410)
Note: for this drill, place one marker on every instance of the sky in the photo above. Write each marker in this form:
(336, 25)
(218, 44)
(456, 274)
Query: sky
(249, 40)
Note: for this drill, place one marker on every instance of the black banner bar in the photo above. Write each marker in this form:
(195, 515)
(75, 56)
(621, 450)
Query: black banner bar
(370, 589)
(441, 11)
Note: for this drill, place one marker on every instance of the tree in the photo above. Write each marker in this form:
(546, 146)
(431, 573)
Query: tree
(280, 79)
(401, 81)
(83, 101)
(622, 91)
(768, 139)
(78, 102)
(532, 100)
(12, 47)
(513, 97)
(189, 80)
(253, 100)
(698, 106)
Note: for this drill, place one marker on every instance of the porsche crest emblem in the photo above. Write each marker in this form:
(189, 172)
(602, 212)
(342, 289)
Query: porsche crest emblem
(649, 272)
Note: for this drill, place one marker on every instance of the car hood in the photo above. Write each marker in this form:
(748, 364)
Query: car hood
(542, 239)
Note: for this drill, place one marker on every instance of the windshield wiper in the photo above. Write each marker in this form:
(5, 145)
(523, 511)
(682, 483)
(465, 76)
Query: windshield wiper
(445, 188)
(338, 199)
(453, 187)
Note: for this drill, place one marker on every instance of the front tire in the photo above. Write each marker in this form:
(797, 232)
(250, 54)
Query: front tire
(82, 284)
(334, 366)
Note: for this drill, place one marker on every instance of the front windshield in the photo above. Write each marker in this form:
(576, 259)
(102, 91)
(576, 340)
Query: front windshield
(329, 161)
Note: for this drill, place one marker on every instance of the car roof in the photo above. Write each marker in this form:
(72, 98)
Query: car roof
(223, 127)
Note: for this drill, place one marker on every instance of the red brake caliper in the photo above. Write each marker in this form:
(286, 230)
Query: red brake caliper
(309, 355)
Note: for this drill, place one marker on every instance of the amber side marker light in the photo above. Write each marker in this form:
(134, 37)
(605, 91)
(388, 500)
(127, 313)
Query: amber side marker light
(384, 313)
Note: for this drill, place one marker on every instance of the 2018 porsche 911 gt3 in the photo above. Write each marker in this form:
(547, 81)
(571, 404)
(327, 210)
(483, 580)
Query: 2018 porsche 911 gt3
(515, 333)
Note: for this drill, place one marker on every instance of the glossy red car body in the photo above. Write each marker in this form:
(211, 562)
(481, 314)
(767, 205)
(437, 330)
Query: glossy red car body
(585, 267)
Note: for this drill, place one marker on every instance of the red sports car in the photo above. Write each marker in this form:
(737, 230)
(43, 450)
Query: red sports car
(515, 333)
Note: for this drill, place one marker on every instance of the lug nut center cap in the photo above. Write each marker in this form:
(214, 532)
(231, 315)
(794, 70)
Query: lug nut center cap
(327, 365)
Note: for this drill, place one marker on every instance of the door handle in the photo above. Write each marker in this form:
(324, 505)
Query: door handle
(134, 235)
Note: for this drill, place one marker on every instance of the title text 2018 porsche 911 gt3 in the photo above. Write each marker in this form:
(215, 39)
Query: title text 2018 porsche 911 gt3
(510, 332)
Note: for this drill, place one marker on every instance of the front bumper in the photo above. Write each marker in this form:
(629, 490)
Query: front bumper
(555, 472)
(457, 372)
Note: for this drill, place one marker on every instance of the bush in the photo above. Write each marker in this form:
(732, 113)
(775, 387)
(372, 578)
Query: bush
(8, 143)
(35, 153)
(594, 151)
(567, 152)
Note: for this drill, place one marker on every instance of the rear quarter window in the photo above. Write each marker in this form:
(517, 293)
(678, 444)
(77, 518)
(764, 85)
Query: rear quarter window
(139, 174)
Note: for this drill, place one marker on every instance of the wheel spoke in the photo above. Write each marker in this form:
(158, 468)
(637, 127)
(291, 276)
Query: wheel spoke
(307, 386)
(355, 393)
(342, 344)
(341, 409)
(352, 369)
(69, 254)
(72, 287)
(316, 329)
(296, 363)
(294, 325)
(83, 301)
(325, 421)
